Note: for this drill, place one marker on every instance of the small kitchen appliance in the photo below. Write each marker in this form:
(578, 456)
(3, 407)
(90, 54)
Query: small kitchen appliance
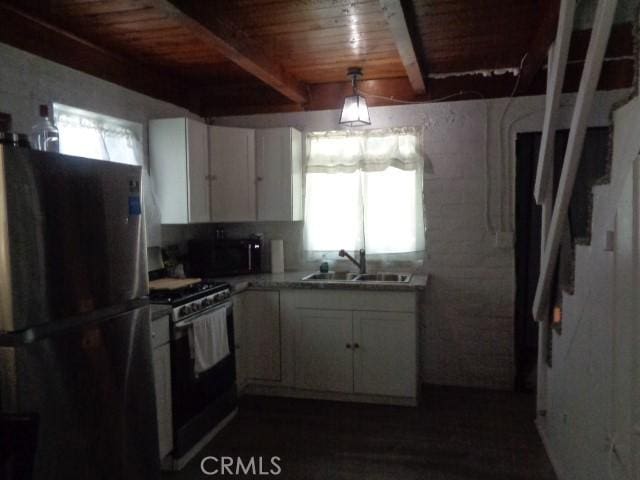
(210, 258)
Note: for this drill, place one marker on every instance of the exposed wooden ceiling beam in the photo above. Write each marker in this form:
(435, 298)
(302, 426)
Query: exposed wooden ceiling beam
(33, 34)
(233, 44)
(250, 99)
(397, 21)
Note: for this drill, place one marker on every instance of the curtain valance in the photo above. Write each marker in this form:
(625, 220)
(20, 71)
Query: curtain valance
(365, 150)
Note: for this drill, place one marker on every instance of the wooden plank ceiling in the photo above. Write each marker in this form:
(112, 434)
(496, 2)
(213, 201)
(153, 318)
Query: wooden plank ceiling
(249, 56)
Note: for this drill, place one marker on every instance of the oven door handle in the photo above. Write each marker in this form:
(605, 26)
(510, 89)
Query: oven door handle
(249, 257)
(188, 321)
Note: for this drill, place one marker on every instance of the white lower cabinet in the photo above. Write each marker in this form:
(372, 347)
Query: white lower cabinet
(239, 316)
(162, 381)
(370, 353)
(324, 351)
(384, 353)
(261, 335)
(332, 344)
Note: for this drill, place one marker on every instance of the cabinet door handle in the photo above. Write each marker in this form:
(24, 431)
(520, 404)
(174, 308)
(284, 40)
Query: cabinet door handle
(259, 179)
(356, 345)
(213, 177)
(348, 345)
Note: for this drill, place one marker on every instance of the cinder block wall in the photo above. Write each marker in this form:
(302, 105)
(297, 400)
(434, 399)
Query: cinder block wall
(467, 312)
(27, 81)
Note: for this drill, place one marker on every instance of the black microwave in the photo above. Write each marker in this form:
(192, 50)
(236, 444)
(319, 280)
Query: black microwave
(219, 257)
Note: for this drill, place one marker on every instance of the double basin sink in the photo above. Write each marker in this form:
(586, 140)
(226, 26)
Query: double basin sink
(379, 277)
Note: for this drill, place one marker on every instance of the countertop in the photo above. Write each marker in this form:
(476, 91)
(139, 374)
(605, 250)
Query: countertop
(294, 280)
(159, 311)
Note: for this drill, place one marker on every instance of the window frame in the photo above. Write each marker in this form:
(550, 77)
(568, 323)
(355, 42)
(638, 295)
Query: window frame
(136, 129)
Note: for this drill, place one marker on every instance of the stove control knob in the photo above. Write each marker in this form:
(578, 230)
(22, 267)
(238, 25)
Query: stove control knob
(195, 306)
(206, 302)
(184, 311)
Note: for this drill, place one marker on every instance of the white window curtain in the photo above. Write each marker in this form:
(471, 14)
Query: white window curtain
(364, 190)
(91, 135)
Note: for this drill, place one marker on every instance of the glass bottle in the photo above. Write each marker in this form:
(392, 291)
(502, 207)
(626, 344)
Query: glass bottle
(44, 134)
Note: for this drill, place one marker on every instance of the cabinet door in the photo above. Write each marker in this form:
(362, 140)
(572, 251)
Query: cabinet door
(273, 173)
(232, 170)
(297, 209)
(239, 317)
(279, 174)
(261, 335)
(384, 353)
(162, 376)
(198, 167)
(178, 148)
(168, 168)
(324, 358)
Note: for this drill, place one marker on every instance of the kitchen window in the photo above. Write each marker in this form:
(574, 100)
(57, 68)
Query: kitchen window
(364, 190)
(92, 135)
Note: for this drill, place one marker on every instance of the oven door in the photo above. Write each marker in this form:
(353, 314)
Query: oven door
(199, 403)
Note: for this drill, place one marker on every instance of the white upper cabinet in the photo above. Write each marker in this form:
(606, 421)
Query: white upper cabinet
(279, 174)
(180, 168)
(224, 174)
(232, 168)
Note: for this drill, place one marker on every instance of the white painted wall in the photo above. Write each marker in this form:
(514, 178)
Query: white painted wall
(26, 81)
(467, 329)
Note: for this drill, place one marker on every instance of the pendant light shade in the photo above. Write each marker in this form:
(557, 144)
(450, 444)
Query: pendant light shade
(355, 112)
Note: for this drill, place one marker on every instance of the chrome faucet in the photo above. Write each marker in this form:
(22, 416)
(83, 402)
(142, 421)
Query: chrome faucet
(362, 264)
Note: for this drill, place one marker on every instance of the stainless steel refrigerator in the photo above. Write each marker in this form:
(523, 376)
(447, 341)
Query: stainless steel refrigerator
(76, 376)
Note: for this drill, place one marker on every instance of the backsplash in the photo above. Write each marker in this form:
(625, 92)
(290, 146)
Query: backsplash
(292, 233)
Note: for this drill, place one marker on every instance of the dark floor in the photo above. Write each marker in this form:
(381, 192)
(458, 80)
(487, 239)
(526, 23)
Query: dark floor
(456, 434)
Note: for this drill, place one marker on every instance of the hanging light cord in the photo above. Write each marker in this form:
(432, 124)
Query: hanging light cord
(407, 102)
(504, 170)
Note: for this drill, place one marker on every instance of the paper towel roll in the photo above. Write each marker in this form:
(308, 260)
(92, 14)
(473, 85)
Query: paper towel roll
(277, 256)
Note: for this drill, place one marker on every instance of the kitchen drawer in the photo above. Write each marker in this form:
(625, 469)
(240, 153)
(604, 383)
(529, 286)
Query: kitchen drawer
(160, 331)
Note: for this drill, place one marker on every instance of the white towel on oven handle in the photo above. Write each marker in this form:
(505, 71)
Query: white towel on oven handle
(209, 340)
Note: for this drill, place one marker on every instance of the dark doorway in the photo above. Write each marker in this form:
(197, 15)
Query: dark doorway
(527, 251)
(593, 168)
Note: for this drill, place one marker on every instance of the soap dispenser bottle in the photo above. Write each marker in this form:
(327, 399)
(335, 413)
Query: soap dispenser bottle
(44, 134)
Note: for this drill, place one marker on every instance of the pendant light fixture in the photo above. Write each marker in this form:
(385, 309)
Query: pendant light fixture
(354, 111)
